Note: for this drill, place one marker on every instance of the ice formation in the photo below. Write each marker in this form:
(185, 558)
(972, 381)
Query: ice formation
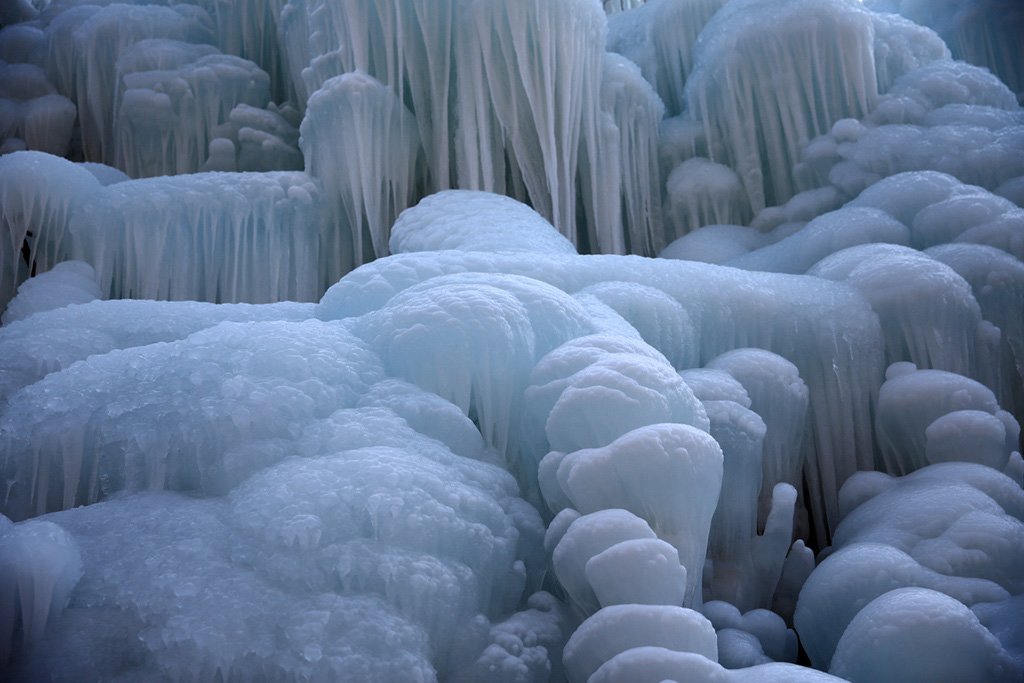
(331, 347)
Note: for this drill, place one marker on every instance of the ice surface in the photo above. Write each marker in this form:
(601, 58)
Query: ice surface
(955, 528)
(916, 634)
(358, 489)
(371, 182)
(39, 567)
(679, 507)
(67, 283)
(616, 629)
(474, 221)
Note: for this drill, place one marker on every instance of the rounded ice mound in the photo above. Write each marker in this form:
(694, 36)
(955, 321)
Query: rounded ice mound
(929, 410)
(929, 315)
(668, 474)
(164, 415)
(952, 527)
(714, 244)
(659, 318)
(468, 220)
(915, 635)
(822, 236)
(68, 282)
(623, 627)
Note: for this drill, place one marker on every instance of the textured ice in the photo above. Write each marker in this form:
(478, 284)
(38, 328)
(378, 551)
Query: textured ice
(616, 629)
(359, 488)
(39, 567)
(371, 182)
(956, 528)
(740, 65)
(166, 413)
(220, 237)
(170, 98)
(741, 306)
(465, 220)
(917, 634)
(67, 283)
(53, 340)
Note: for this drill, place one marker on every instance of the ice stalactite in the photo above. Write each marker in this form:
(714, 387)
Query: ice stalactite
(250, 30)
(362, 143)
(701, 192)
(620, 159)
(767, 93)
(659, 36)
(520, 104)
(94, 48)
(40, 564)
(165, 114)
(38, 193)
(406, 45)
(221, 237)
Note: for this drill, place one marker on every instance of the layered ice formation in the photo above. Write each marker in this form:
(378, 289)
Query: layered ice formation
(332, 348)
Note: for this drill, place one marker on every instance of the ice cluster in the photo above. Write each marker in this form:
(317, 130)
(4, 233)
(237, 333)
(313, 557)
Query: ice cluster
(333, 347)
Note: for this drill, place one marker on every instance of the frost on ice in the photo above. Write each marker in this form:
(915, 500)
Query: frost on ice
(331, 349)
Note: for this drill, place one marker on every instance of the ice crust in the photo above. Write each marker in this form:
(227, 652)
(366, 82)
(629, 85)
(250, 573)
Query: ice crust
(492, 454)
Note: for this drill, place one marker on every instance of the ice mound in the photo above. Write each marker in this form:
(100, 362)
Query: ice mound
(688, 463)
(261, 140)
(982, 32)
(915, 296)
(35, 116)
(929, 416)
(162, 416)
(67, 283)
(86, 53)
(917, 634)
(701, 192)
(823, 236)
(956, 528)
(465, 220)
(53, 340)
(616, 629)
